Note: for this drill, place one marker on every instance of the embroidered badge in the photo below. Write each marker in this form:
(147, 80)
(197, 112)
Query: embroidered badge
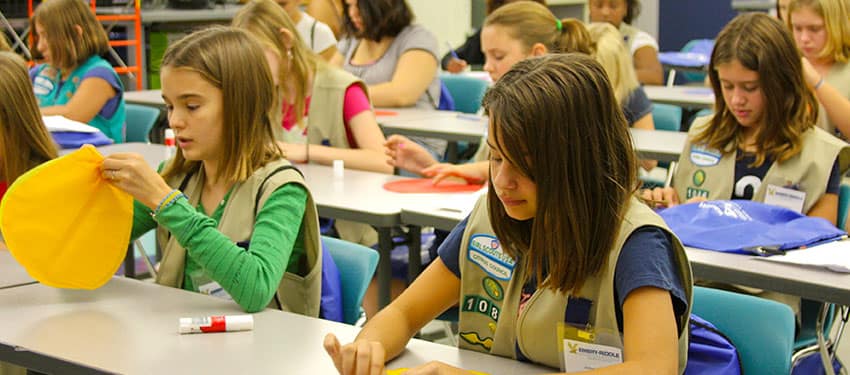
(485, 251)
(692, 192)
(474, 339)
(42, 85)
(481, 305)
(704, 157)
(493, 289)
(699, 177)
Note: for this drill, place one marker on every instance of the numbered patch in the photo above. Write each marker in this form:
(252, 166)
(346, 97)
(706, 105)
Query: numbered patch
(480, 305)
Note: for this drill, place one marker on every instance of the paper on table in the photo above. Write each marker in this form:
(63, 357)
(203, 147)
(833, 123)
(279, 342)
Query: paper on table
(62, 124)
(833, 256)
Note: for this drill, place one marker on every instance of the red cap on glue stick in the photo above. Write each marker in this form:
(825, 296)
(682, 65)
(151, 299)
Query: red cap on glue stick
(221, 323)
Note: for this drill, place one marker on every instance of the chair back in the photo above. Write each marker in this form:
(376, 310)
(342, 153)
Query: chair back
(761, 329)
(466, 91)
(843, 205)
(701, 46)
(667, 117)
(356, 264)
(140, 120)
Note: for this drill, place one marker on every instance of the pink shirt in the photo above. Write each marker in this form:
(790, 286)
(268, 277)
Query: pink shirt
(354, 103)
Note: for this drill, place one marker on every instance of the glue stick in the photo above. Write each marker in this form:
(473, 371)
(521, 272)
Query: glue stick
(221, 323)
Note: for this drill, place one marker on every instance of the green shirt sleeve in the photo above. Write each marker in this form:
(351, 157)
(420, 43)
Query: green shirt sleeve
(142, 220)
(251, 277)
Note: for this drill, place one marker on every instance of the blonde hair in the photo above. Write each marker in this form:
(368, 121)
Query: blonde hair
(4, 44)
(836, 18)
(24, 142)
(263, 19)
(69, 46)
(611, 52)
(230, 60)
(764, 45)
(531, 23)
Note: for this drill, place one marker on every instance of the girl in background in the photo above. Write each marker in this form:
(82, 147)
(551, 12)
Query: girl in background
(326, 111)
(24, 140)
(234, 218)
(555, 129)
(763, 131)
(73, 79)
(512, 33)
(642, 46)
(316, 35)
(612, 54)
(822, 32)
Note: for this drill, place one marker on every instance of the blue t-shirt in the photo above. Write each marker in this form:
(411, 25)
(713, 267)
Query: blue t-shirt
(646, 259)
(636, 106)
(748, 179)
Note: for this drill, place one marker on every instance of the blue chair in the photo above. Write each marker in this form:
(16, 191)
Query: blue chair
(466, 91)
(356, 264)
(701, 46)
(140, 121)
(761, 329)
(843, 205)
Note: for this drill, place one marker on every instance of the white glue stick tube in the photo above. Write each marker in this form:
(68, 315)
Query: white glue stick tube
(220, 323)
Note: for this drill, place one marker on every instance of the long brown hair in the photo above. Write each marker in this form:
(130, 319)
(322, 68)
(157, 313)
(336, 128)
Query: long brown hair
(24, 142)
(263, 19)
(4, 44)
(531, 22)
(69, 47)
(555, 118)
(230, 60)
(762, 44)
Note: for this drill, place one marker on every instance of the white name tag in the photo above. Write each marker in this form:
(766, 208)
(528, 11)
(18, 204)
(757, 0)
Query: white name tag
(785, 197)
(582, 356)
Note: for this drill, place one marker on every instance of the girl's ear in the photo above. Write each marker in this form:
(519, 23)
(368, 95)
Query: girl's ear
(287, 37)
(79, 30)
(538, 49)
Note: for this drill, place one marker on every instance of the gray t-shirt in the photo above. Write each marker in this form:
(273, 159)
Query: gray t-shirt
(382, 70)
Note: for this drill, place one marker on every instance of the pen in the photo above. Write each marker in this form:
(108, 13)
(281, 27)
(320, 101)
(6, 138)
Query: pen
(452, 51)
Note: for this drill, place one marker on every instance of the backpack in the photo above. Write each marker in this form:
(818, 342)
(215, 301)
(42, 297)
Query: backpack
(710, 351)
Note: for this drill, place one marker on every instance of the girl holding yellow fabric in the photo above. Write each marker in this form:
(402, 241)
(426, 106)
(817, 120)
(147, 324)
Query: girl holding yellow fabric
(234, 218)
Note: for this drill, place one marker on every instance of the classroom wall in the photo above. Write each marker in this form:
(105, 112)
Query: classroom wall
(682, 20)
(647, 20)
(448, 19)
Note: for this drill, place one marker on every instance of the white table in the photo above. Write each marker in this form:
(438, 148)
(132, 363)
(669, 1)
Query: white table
(447, 125)
(130, 327)
(12, 274)
(659, 144)
(684, 96)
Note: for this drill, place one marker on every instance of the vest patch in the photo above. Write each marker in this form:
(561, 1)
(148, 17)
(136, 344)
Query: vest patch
(704, 157)
(493, 288)
(473, 339)
(42, 85)
(485, 251)
(480, 305)
(698, 177)
(692, 192)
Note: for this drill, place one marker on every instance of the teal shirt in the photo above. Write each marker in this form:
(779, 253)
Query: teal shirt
(250, 276)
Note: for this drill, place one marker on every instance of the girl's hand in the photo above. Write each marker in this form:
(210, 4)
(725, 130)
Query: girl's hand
(471, 172)
(357, 358)
(661, 197)
(810, 74)
(296, 153)
(406, 154)
(131, 173)
(456, 65)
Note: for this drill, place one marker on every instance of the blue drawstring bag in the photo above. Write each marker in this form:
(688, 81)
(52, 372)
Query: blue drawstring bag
(710, 351)
(78, 139)
(739, 226)
(330, 307)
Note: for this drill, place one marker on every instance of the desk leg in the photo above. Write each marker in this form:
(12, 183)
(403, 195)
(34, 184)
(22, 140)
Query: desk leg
(451, 152)
(414, 253)
(385, 247)
(130, 263)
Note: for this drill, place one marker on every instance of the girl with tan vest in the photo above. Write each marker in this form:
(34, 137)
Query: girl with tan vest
(822, 32)
(326, 111)
(233, 217)
(762, 143)
(558, 239)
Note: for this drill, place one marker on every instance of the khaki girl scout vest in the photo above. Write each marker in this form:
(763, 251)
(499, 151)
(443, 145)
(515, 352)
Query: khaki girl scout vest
(628, 32)
(492, 282)
(710, 173)
(299, 293)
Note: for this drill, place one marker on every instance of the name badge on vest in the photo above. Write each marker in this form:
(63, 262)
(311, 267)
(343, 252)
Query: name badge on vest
(485, 251)
(586, 349)
(702, 156)
(41, 85)
(785, 197)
